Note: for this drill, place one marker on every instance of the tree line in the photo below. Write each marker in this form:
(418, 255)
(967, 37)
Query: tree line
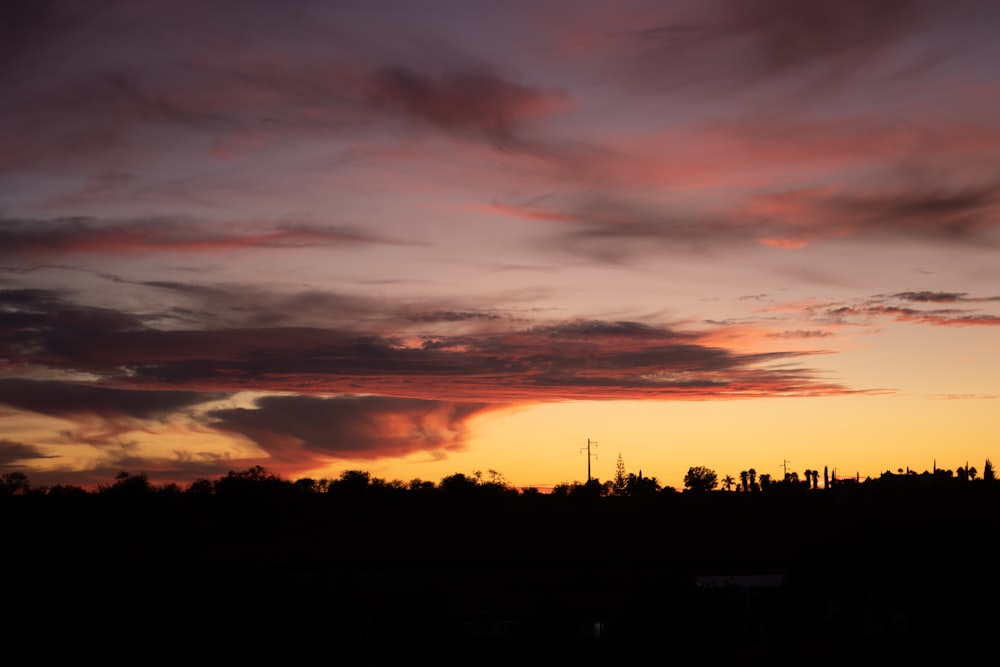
(257, 480)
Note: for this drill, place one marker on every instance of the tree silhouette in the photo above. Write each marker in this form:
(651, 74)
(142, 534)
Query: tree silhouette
(305, 485)
(66, 490)
(745, 480)
(14, 484)
(458, 484)
(417, 484)
(700, 478)
(753, 479)
(620, 481)
(351, 482)
(589, 490)
(494, 478)
(727, 482)
(200, 487)
(988, 474)
(255, 480)
(638, 485)
(128, 484)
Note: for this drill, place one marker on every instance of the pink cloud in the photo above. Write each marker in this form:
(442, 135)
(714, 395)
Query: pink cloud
(538, 213)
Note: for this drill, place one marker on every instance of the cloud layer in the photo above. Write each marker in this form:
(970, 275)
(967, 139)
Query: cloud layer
(307, 428)
(260, 225)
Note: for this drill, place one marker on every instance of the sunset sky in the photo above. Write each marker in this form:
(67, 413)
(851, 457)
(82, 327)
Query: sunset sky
(420, 238)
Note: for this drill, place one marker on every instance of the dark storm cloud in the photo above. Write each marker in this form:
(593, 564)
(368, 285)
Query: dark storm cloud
(452, 316)
(600, 328)
(925, 296)
(65, 399)
(48, 238)
(957, 214)
(615, 229)
(26, 26)
(474, 101)
(238, 78)
(229, 324)
(366, 427)
(222, 305)
(212, 306)
(17, 453)
(36, 323)
(504, 363)
(783, 34)
(510, 367)
(733, 43)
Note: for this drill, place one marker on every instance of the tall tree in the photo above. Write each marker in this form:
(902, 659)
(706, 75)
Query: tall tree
(620, 481)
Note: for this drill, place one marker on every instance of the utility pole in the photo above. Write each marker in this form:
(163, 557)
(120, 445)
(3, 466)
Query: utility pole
(784, 466)
(589, 443)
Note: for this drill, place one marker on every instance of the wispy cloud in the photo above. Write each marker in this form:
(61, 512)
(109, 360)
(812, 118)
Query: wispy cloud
(812, 47)
(927, 296)
(964, 397)
(476, 102)
(898, 307)
(54, 238)
(801, 333)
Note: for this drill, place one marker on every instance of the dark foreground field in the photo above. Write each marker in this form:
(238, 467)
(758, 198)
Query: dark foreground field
(817, 577)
